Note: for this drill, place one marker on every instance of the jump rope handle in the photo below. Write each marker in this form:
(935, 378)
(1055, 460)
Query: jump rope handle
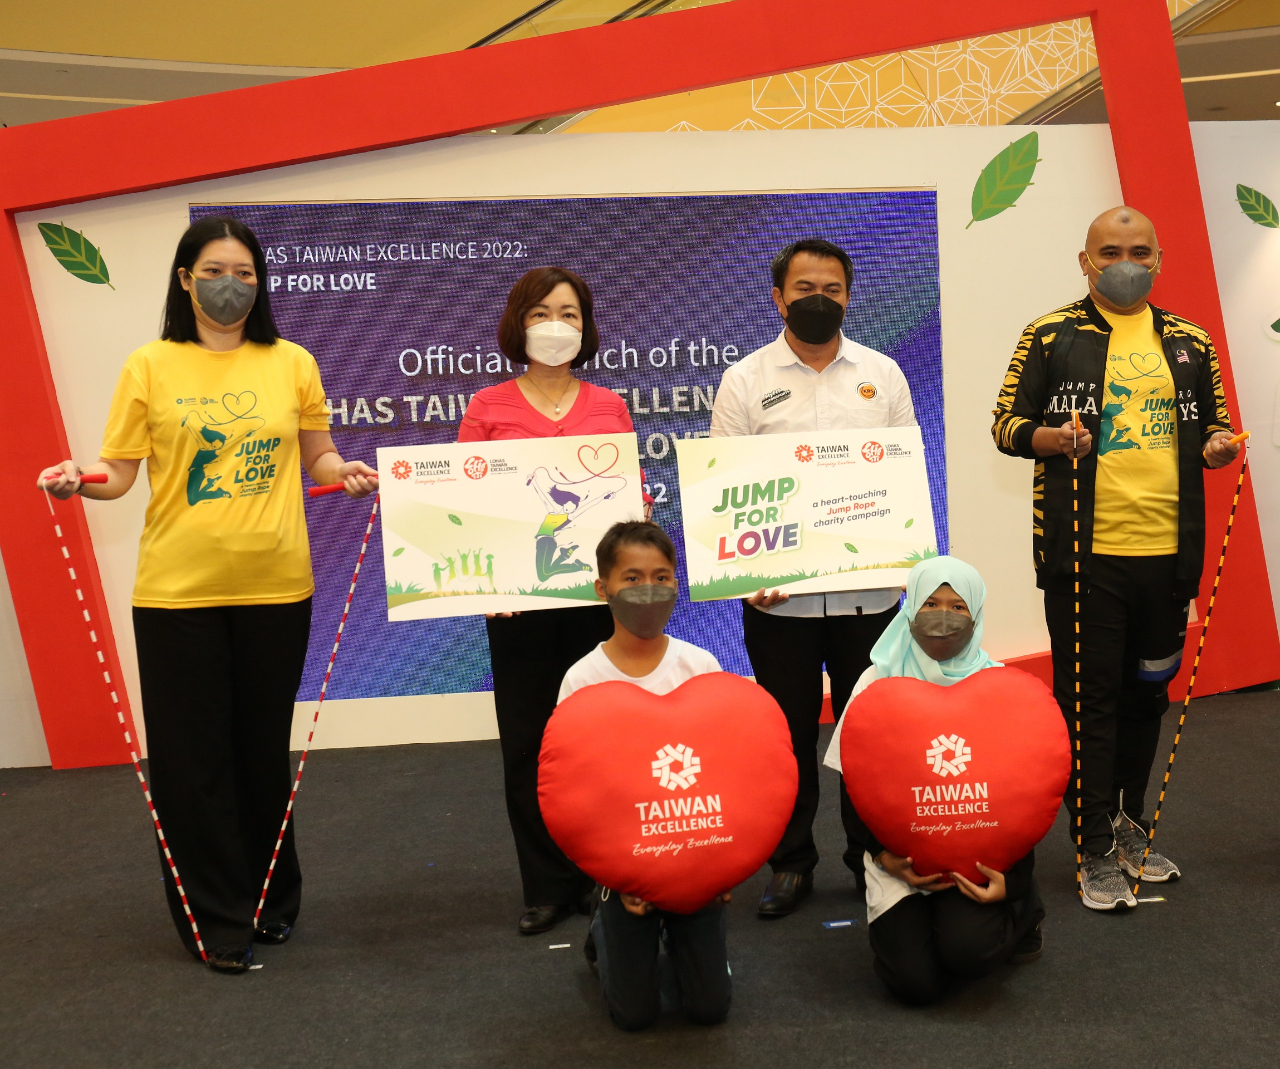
(1240, 437)
(92, 478)
(320, 491)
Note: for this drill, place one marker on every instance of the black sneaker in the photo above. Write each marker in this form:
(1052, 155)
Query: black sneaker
(1029, 947)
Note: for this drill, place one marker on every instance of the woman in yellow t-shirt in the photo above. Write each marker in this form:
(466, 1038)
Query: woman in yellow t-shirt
(223, 410)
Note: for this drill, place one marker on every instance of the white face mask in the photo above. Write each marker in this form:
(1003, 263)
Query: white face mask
(552, 344)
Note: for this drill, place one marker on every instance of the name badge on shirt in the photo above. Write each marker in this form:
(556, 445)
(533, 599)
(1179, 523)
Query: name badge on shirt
(867, 391)
(774, 397)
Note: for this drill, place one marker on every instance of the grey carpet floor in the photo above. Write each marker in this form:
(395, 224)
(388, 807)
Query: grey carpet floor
(407, 955)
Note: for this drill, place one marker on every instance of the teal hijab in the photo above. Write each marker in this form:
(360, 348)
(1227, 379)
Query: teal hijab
(898, 654)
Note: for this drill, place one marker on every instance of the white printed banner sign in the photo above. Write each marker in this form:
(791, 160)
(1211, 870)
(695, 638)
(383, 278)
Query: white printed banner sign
(806, 513)
(505, 526)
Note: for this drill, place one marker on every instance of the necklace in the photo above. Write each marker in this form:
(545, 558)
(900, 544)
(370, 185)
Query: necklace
(556, 401)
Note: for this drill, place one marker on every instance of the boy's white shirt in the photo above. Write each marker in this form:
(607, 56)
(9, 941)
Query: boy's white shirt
(883, 891)
(680, 662)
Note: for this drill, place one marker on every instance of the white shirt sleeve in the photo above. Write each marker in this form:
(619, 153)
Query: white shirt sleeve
(832, 759)
(729, 412)
(902, 412)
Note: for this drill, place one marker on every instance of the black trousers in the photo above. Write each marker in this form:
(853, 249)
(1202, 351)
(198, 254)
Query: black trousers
(218, 687)
(530, 654)
(627, 960)
(787, 655)
(924, 943)
(1131, 636)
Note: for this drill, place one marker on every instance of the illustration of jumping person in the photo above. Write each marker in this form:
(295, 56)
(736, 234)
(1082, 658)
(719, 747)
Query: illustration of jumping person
(215, 439)
(437, 571)
(1111, 438)
(565, 501)
(488, 571)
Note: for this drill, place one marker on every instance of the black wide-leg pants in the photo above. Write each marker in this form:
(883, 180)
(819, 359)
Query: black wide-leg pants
(1132, 631)
(218, 688)
(530, 654)
(787, 656)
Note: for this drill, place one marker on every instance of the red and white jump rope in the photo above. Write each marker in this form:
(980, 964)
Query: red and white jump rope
(124, 724)
(315, 491)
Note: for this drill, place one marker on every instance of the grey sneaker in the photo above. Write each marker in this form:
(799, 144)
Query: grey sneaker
(1102, 884)
(1132, 843)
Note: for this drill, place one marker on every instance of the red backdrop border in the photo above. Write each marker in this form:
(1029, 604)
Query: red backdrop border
(44, 164)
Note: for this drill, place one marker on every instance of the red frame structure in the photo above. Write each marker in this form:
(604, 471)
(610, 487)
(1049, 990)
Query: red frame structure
(140, 148)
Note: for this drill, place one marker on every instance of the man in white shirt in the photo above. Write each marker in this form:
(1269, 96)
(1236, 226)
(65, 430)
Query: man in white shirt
(812, 378)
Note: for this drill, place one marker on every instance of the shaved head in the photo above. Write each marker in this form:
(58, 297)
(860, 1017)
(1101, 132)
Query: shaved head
(1118, 234)
(1122, 222)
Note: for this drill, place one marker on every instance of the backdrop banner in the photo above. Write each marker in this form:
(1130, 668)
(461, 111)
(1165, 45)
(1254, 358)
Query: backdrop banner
(503, 526)
(400, 302)
(810, 512)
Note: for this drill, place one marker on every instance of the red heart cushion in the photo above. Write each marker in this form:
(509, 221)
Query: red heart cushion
(674, 798)
(954, 775)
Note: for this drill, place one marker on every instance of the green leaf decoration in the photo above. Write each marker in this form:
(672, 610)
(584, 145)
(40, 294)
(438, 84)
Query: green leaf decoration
(711, 463)
(1257, 206)
(454, 519)
(909, 522)
(851, 547)
(1004, 178)
(78, 255)
(397, 552)
(1276, 326)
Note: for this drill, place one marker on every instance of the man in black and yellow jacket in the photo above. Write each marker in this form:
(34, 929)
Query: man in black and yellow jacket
(1146, 385)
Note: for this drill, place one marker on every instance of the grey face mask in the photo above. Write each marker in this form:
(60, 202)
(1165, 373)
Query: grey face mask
(1124, 283)
(643, 609)
(942, 633)
(225, 299)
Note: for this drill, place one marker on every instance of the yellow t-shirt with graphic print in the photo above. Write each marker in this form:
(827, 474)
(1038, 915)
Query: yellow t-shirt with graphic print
(219, 431)
(1135, 504)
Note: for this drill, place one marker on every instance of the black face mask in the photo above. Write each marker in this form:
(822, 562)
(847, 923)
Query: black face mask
(815, 319)
(942, 633)
(643, 609)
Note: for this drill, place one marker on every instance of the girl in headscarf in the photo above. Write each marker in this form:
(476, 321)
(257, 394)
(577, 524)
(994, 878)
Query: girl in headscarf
(927, 931)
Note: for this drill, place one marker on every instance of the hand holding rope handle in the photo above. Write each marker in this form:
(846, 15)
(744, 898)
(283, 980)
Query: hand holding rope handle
(332, 488)
(1195, 665)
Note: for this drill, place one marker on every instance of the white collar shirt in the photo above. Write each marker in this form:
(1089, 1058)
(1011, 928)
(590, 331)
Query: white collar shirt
(772, 391)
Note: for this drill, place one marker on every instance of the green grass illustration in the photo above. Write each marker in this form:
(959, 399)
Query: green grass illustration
(730, 586)
(581, 592)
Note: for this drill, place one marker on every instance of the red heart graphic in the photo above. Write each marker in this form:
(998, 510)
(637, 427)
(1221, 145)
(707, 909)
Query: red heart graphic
(598, 457)
(954, 775)
(674, 798)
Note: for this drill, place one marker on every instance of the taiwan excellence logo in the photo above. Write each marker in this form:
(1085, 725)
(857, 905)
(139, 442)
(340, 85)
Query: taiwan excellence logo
(401, 470)
(665, 773)
(873, 452)
(948, 755)
(804, 453)
(475, 467)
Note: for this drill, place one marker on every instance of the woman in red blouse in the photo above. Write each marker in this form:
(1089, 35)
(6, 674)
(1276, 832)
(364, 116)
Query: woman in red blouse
(549, 327)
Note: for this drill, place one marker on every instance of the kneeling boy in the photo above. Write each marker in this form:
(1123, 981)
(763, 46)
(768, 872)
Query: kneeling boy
(636, 562)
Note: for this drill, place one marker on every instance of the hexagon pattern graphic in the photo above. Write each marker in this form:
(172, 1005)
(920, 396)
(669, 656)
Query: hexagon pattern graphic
(984, 81)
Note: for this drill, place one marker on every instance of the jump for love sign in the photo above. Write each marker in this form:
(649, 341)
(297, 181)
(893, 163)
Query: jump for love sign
(806, 512)
(477, 527)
